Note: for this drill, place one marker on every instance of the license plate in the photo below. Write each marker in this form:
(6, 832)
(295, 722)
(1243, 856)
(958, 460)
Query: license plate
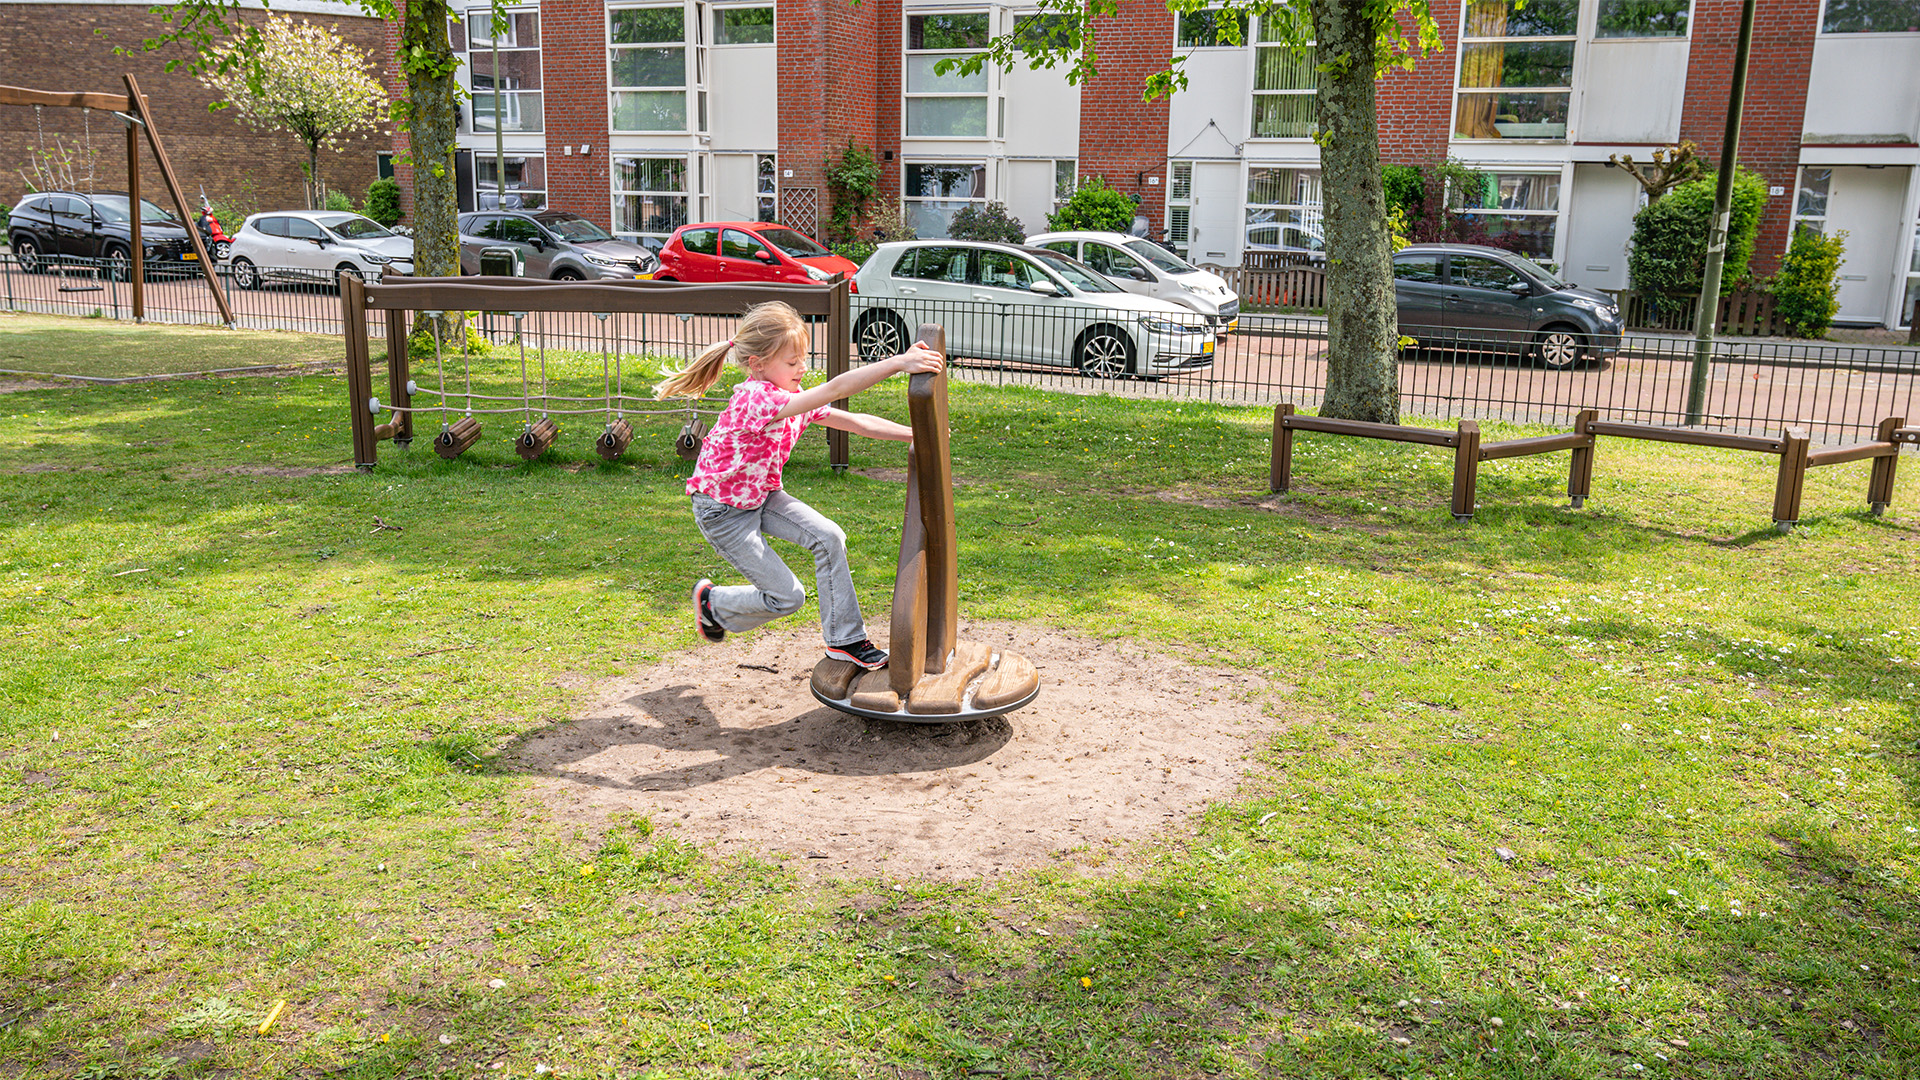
(643, 277)
(189, 255)
(1206, 348)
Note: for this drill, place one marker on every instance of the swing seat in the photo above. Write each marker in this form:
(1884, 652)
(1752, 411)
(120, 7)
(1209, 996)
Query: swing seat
(454, 441)
(687, 444)
(537, 439)
(614, 441)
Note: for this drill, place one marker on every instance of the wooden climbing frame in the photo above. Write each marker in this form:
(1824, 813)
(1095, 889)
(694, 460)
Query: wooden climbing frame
(931, 676)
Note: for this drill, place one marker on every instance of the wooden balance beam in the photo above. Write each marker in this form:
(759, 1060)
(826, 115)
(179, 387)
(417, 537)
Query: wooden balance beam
(931, 675)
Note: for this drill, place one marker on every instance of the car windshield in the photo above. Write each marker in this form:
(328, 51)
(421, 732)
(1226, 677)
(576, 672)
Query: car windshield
(1162, 259)
(356, 228)
(1540, 273)
(573, 227)
(1078, 274)
(114, 208)
(792, 243)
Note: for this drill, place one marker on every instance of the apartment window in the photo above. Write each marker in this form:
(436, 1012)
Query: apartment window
(1208, 28)
(766, 188)
(1810, 200)
(647, 68)
(1524, 207)
(1642, 18)
(1180, 206)
(950, 106)
(935, 191)
(1285, 88)
(1283, 212)
(1516, 69)
(1066, 177)
(649, 198)
(517, 80)
(1037, 30)
(743, 26)
(1905, 317)
(526, 186)
(1872, 17)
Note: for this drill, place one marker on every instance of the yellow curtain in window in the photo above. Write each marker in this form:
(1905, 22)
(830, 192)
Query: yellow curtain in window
(1481, 66)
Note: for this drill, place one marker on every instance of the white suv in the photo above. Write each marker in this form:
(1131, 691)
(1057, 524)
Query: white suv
(1139, 265)
(1022, 305)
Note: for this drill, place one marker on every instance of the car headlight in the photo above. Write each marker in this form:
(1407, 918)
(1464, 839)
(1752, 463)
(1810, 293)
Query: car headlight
(602, 260)
(1161, 325)
(377, 260)
(816, 274)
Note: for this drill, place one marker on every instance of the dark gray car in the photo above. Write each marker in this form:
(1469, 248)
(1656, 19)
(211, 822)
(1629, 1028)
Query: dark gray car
(1469, 298)
(553, 244)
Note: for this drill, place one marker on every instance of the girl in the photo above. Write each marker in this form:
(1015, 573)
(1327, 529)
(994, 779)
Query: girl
(735, 487)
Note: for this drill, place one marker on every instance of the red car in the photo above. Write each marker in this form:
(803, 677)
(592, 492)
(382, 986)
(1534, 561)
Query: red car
(747, 251)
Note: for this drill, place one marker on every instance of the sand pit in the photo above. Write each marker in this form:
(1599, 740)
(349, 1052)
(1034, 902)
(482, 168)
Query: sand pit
(726, 748)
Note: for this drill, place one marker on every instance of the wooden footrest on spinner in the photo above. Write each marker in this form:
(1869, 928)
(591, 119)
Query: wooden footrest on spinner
(976, 683)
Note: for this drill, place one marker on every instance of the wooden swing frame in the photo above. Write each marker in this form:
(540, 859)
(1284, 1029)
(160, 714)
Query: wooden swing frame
(132, 108)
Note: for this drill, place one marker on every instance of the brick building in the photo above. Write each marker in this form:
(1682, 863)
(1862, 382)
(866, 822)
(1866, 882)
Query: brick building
(70, 47)
(644, 114)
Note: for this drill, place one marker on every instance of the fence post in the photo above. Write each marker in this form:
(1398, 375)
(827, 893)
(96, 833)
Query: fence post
(1880, 481)
(1580, 471)
(1794, 445)
(1280, 468)
(1466, 469)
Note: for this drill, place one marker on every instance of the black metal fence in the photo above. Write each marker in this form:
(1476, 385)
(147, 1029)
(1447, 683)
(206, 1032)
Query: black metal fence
(1837, 392)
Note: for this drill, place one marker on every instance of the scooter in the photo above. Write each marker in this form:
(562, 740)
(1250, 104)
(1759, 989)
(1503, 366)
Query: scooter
(219, 244)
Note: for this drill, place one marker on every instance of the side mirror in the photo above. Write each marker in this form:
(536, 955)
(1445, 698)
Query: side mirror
(539, 243)
(1140, 273)
(1043, 287)
(317, 241)
(763, 255)
(1520, 288)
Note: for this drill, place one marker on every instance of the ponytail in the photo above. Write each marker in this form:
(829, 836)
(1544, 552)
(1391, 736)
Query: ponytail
(698, 376)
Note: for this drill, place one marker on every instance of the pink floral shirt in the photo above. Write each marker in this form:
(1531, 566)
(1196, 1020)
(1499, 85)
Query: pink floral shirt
(741, 458)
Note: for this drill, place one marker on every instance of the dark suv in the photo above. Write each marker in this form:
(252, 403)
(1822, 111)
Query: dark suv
(1473, 299)
(51, 227)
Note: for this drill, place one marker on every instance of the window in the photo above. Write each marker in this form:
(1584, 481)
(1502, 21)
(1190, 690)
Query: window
(701, 241)
(1180, 206)
(1474, 272)
(950, 106)
(1905, 317)
(766, 189)
(647, 65)
(1066, 177)
(743, 26)
(1283, 211)
(1285, 85)
(273, 226)
(526, 187)
(517, 230)
(300, 228)
(1108, 260)
(1524, 207)
(1642, 18)
(1810, 200)
(735, 244)
(1003, 270)
(935, 191)
(1207, 28)
(1872, 17)
(933, 264)
(1422, 269)
(1516, 69)
(517, 50)
(649, 198)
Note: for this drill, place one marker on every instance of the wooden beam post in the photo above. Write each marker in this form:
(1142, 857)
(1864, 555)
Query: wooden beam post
(1466, 469)
(1794, 445)
(398, 373)
(139, 105)
(839, 344)
(1280, 468)
(1880, 481)
(137, 271)
(353, 316)
(1580, 470)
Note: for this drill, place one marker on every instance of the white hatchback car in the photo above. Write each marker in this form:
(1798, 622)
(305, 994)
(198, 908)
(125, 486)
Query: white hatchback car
(1022, 305)
(1139, 265)
(315, 245)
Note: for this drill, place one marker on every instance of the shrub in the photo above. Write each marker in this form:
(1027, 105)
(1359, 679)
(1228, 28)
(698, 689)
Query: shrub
(1669, 253)
(383, 201)
(889, 220)
(1403, 185)
(854, 183)
(1803, 291)
(420, 341)
(231, 211)
(1094, 206)
(339, 201)
(856, 251)
(6, 215)
(992, 224)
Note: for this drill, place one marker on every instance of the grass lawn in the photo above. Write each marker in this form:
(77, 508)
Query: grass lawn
(1624, 791)
(105, 349)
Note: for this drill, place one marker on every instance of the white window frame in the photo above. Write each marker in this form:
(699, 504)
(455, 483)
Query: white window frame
(766, 186)
(685, 87)
(1180, 43)
(1800, 215)
(1824, 32)
(908, 200)
(1683, 35)
(688, 194)
(717, 11)
(987, 75)
(1306, 214)
(1574, 38)
(479, 65)
(1180, 206)
(1904, 317)
(1258, 43)
(484, 160)
(1557, 176)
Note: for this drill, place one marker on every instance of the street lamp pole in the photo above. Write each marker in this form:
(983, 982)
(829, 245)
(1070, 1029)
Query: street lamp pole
(1704, 320)
(499, 130)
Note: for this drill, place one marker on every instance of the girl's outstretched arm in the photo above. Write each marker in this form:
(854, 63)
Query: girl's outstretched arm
(917, 360)
(873, 427)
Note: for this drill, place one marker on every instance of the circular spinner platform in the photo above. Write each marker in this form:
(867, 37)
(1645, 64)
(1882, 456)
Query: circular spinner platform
(978, 684)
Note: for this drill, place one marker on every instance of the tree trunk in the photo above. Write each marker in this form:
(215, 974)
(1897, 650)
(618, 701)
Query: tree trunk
(314, 198)
(1363, 375)
(431, 121)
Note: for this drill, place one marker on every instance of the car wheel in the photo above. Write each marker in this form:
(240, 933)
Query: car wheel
(568, 275)
(1559, 348)
(348, 268)
(1104, 352)
(879, 335)
(244, 274)
(117, 265)
(27, 250)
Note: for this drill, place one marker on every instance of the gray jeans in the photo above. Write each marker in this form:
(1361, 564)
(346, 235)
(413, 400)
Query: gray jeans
(740, 536)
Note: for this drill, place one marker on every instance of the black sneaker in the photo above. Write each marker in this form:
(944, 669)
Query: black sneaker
(862, 653)
(703, 619)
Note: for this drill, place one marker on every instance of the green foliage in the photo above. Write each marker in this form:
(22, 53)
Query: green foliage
(420, 342)
(858, 251)
(6, 215)
(339, 201)
(1403, 185)
(991, 224)
(1803, 292)
(383, 201)
(233, 209)
(1670, 236)
(853, 183)
(1094, 206)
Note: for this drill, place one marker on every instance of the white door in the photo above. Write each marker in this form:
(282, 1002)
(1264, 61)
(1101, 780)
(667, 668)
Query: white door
(1217, 226)
(1030, 193)
(1870, 204)
(1599, 225)
(735, 194)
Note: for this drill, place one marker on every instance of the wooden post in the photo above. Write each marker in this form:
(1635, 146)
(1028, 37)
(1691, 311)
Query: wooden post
(1880, 481)
(907, 632)
(838, 344)
(1280, 468)
(927, 405)
(1466, 469)
(399, 372)
(137, 273)
(353, 311)
(1580, 471)
(139, 105)
(1794, 445)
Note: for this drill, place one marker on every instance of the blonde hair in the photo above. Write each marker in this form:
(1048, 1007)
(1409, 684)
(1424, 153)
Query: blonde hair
(762, 331)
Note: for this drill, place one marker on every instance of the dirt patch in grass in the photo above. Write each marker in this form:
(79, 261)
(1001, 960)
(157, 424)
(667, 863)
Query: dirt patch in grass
(1273, 504)
(727, 747)
(284, 472)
